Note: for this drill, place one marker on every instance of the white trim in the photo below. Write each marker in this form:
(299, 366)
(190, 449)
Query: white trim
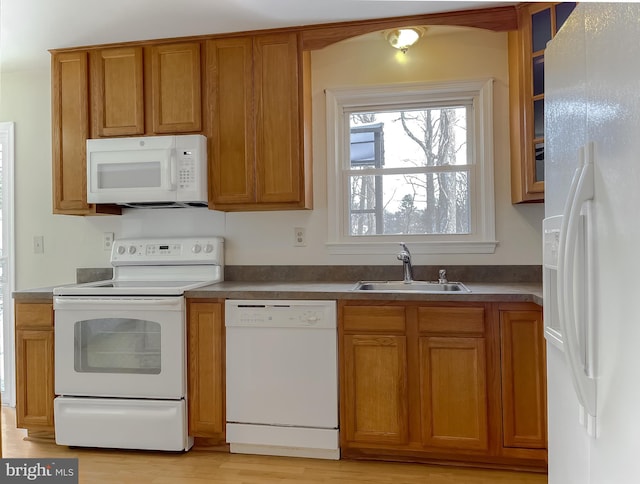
(7, 130)
(371, 248)
(343, 100)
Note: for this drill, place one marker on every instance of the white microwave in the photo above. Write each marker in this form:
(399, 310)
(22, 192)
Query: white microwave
(150, 171)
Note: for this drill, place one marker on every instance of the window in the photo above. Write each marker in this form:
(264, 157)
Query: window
(411, 163)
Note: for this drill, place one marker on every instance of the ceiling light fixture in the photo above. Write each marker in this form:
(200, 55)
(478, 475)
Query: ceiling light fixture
(404, 38)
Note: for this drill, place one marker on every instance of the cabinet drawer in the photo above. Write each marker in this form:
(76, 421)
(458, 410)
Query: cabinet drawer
(467, 321)
(374, 318)
(34, 315)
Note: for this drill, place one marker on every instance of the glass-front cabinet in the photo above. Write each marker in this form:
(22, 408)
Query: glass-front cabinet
(538, 23)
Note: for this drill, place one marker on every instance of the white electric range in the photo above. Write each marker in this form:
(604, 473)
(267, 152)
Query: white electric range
(120, 346)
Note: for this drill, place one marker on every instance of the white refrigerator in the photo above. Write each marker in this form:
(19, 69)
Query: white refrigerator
(591, 255)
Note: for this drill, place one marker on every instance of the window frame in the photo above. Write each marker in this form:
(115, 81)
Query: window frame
(341, 102)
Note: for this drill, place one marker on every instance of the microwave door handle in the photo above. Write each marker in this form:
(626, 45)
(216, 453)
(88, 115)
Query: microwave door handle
(173, 170)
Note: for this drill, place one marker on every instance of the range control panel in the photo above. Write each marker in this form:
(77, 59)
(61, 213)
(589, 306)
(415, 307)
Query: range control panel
(170, 250)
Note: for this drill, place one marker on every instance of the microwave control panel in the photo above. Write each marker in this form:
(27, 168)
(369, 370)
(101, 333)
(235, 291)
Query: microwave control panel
(186, 169)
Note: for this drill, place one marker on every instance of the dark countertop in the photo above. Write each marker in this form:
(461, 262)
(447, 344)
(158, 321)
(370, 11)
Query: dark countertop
(37, 295)
(480, 292)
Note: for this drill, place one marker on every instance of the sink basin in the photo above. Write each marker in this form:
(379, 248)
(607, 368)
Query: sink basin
(415, 286)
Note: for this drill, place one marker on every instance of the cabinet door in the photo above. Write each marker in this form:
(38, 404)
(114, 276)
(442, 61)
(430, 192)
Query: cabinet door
(279, 154)
(176, 85)
(117, 91)
(70, 105)
(537, 24)
(70, 130)
(231, 142)
(205, 367)
(523, 379)
(375, 389)
(34, 379)
(453, 392)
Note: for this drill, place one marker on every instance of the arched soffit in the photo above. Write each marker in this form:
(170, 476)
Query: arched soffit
(497, 19)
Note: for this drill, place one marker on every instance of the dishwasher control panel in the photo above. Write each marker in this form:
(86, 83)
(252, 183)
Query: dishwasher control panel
(280, 314)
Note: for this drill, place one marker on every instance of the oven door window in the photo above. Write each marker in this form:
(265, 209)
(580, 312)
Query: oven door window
(117, 345)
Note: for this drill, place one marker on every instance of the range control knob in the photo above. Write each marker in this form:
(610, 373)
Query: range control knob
(132, 249)
(196, 248)
(121, 249)
(208, 248)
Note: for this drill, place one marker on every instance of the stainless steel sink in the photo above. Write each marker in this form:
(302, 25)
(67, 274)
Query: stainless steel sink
(415, 286)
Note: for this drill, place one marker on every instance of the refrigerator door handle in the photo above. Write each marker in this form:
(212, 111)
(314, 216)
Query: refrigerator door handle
(581, 191)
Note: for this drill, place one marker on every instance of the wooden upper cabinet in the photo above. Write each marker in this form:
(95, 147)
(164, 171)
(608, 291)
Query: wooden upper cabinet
(70, 98)
(117, 91)
(176, 87)
(537, 24)
(259, 108)
(171, 97)
(70, 130)
(277, 118)
(231, 142)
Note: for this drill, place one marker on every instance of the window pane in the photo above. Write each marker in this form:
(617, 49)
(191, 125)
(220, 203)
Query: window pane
(540, 29)
(422, 203)
(538, 75)
(563, 10)
(538, 118)
(539, 153)
(409, 138)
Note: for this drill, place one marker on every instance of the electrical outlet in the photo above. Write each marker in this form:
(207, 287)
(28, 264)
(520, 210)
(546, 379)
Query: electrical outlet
(300, 237)
(38, 244)
(107, 240)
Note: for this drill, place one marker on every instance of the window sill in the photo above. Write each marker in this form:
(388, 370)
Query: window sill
(367, 248)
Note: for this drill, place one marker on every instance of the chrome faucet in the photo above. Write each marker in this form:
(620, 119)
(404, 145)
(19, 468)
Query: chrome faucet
(407, 269)
(442, 276)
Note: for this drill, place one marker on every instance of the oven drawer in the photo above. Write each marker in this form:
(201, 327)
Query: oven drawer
(122, 424)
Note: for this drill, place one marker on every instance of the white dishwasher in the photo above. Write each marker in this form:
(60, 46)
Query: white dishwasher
(282, 377)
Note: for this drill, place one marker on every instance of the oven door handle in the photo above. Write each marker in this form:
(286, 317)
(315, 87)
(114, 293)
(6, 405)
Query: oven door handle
(120, 303)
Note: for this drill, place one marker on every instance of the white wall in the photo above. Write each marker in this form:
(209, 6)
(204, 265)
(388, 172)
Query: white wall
(260, 237)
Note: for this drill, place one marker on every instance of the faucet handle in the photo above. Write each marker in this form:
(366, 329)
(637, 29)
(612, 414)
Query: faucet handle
(405, 248)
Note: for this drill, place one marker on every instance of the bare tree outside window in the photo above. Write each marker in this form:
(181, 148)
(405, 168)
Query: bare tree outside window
(418, 180)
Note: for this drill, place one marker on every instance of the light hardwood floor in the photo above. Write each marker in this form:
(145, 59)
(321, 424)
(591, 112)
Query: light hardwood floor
(200, 467)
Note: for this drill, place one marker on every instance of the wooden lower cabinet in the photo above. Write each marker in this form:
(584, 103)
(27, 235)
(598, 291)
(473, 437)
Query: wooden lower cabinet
(523, 371)
(205, 370)
(376, 394)
(425, 382)
(34, 367)
(453, 393)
